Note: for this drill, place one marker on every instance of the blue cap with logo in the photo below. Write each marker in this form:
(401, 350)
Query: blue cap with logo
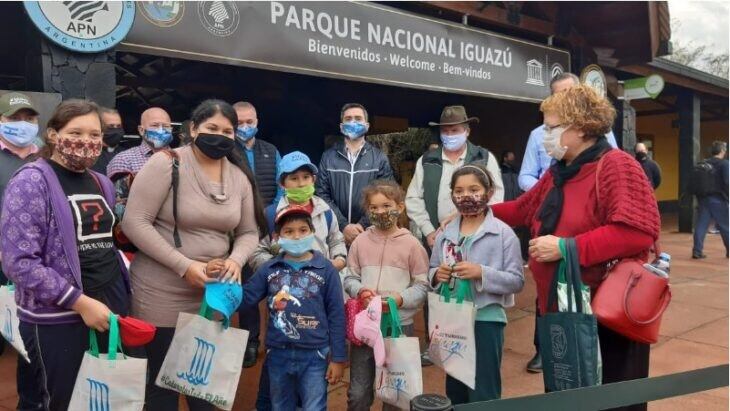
(294, 161)
(224, 297)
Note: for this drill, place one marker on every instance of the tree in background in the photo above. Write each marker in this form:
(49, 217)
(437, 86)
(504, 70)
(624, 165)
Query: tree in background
(696, 56)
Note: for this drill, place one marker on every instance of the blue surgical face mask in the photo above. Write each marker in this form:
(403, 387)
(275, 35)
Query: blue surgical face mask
(19, 133)
(296, 248)
(246, 132)
(158, 137)
(353, 129)
(454, 141)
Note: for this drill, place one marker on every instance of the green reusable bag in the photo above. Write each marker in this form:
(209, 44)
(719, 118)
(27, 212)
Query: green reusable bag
(568, 340)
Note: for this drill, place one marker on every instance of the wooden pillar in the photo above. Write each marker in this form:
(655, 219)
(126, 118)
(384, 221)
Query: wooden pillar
(688, 104)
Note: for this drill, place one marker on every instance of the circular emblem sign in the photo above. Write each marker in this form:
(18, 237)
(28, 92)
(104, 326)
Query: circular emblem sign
(220, 18)
(594, 77)
(162, 13)
(82, 26)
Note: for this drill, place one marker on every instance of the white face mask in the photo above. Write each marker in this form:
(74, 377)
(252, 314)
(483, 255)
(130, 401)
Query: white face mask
(552, 142)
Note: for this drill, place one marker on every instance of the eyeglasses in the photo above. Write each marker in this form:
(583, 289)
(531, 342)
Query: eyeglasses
(548, 128)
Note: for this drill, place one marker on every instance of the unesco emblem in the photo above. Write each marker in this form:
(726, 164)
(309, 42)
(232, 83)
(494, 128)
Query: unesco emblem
(82, 26)
(162, 13)
(220, 18)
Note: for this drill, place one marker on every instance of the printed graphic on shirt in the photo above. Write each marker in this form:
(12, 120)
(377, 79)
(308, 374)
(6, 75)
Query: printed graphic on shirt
(94, 220)
(289, 290)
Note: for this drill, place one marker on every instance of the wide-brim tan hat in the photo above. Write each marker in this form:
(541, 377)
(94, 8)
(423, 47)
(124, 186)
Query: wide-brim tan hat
(453, 115)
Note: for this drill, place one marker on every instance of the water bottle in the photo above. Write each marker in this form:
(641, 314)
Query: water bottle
(660, 266)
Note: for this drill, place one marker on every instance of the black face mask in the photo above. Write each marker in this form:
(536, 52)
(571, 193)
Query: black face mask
(641, 156)
(112, 136)
(215, 146)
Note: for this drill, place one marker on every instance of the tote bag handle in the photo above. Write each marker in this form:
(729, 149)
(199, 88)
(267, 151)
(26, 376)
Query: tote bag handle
(115, 342)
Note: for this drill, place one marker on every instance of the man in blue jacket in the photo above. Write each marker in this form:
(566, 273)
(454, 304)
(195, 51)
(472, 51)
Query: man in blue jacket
(347, 167)
(536, 161)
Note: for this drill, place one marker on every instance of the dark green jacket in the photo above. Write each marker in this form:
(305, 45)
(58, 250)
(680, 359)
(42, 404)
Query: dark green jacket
(432, 169)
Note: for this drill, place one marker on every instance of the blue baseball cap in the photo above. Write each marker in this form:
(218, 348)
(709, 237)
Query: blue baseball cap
(293, 162)
(224, 297)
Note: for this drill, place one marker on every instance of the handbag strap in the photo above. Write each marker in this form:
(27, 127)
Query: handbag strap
(115, 342)
(573, 269)
(568, 271)
(634, 279)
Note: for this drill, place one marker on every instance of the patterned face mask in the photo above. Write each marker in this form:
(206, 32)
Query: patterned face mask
(385, 220)
(471, 205)
(78, 154)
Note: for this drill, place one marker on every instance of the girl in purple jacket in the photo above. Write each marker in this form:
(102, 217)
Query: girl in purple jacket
(57, 247)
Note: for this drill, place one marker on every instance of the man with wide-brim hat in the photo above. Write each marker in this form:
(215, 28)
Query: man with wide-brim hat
(428, 200)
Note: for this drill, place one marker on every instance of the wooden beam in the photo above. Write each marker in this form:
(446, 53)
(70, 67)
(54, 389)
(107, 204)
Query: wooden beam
(495, 15)
(655, 112)
(677, 79)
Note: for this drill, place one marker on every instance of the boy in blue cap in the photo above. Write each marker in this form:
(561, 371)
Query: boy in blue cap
(306, 331)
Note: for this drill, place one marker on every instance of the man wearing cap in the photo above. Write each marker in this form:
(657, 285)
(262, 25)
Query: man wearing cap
(18, 130)
(156, 132)
(113, 134)
(347, 167)
(428, 200)
(260, 156)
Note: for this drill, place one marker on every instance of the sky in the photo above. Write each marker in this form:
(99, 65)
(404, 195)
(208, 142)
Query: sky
(703, 22)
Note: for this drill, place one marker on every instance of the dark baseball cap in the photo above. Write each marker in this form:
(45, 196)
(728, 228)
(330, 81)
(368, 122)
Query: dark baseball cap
(10, 103)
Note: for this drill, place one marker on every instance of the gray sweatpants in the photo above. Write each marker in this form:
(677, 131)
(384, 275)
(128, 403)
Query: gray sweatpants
(360, 394)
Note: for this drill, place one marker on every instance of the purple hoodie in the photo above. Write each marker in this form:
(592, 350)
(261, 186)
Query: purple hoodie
(38, 243)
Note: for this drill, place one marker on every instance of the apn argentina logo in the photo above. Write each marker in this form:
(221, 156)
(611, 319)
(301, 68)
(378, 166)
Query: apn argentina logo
(200, 364)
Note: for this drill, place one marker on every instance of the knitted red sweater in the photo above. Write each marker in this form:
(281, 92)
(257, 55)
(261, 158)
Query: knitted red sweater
(612, 215)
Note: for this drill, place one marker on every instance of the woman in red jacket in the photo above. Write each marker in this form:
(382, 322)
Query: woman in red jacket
(598, 195)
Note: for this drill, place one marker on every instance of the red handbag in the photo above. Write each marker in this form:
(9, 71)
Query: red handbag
(631, 301)
(352, 307)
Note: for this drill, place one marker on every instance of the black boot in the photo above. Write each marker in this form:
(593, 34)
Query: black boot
(535, 364)
(251, 354)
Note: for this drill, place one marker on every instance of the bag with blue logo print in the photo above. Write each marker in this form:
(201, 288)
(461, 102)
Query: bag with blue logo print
(112, 381)
(9, 320)
(204, 359)
(451, 326)
(400, 379)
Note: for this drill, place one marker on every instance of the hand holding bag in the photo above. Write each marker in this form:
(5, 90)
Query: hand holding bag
(400, 379)
(568, 340)
(204, 359)
(9, 317)
(107, 382)
(451, 326)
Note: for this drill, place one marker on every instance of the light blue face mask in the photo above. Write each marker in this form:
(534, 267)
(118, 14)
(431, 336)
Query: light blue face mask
(454, 141)
(353, 129)
(19, 133)
(246, 132)
(296, 248)
(159, 137)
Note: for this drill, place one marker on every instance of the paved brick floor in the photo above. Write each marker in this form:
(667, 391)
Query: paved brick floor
(694, 334)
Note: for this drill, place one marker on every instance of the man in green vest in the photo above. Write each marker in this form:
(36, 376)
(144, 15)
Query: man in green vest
(428, 200)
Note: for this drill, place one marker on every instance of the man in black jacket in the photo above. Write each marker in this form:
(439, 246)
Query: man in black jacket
(263, 159)
(651, 168)
(715, 204)
(347, 167)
